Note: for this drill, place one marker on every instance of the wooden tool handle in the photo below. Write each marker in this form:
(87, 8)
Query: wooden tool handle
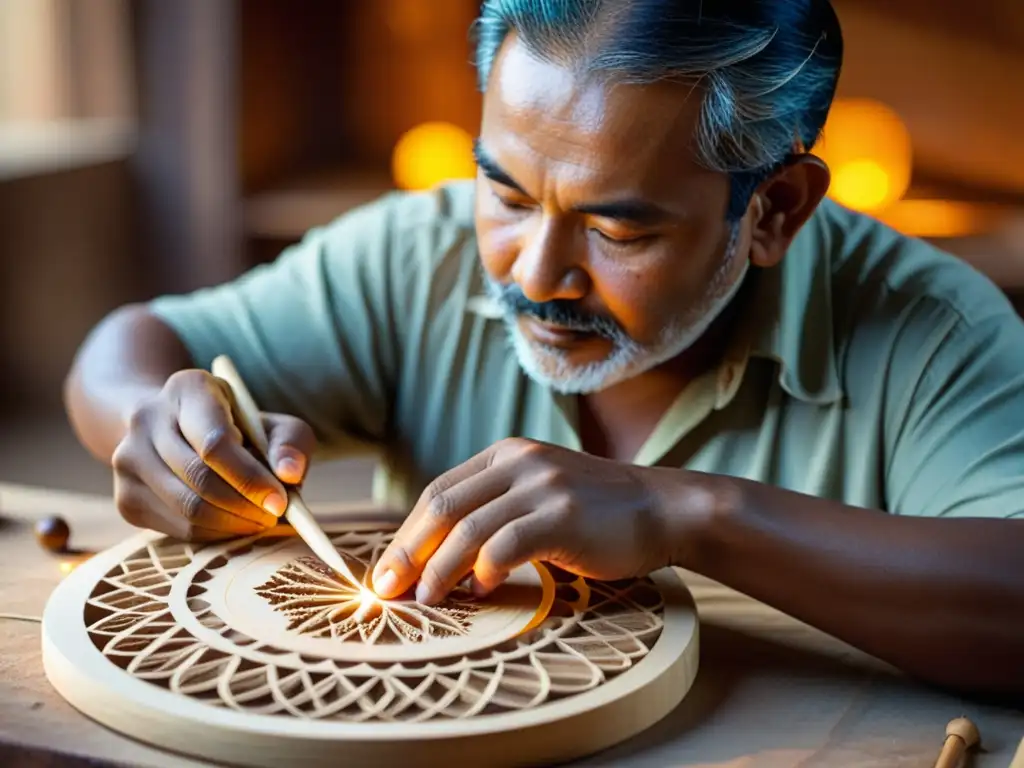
(250, 421)
(244, 408)
(961, 735)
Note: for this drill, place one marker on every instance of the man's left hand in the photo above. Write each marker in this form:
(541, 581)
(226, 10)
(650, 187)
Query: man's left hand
(521, 500)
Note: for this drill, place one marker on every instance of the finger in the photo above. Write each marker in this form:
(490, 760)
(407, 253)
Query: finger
(183, 502)
(456, 555)
(204, 418)
(292, 442)
(188, 467)
(447, 500)
(540, 535)
(141, 507)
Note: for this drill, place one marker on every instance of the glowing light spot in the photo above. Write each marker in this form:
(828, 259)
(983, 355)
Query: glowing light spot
(869, 151)
(367, 600)
(861, 184)
(430, 154)
(941, 218)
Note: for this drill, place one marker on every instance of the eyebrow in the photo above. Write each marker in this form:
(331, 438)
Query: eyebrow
(492, 170)
(632, 210)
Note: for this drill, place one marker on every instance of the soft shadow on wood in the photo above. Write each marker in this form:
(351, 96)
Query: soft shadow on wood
(727, 658)
(24, 757)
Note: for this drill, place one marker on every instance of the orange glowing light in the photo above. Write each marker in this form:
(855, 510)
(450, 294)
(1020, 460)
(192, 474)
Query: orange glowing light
(937, 218)
(869, 151)
(430, 154)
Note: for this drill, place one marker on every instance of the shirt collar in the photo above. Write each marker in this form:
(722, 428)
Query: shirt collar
(788, 320)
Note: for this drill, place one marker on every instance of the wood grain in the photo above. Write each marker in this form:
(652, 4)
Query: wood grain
(176, 644)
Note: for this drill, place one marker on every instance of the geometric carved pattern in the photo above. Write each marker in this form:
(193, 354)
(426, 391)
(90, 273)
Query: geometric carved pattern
(319, 602)
(151, 615)
(221, 651)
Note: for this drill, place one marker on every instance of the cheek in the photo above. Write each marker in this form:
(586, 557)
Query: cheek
(642, 297)
(498, 242)
(498, 246)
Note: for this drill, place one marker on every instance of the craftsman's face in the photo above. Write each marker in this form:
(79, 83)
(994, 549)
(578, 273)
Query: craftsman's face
(602, 239)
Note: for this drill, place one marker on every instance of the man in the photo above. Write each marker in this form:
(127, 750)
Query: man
(641, 337)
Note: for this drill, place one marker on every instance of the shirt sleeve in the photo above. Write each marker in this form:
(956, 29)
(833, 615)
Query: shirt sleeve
(957, 418)
(314, 333)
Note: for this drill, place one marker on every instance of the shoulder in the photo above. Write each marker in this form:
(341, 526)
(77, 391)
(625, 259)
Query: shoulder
(909, 317)
(403, 219)
(874, 267)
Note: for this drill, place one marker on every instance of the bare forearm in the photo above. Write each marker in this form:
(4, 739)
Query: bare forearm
(942, 599)
(127, 357)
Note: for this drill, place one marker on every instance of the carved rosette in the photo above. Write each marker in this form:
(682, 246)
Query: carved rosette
(153, 616)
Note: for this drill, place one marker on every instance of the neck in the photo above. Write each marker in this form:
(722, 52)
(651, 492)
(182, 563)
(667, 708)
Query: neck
(615, 422)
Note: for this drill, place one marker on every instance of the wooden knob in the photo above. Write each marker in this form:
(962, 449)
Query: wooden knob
(961, 735)
(53, 533)
(966, 730)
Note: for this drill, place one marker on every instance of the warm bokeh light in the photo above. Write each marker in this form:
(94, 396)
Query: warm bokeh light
(937, 218)
(868, 148)
(430, 154)
(862, 184)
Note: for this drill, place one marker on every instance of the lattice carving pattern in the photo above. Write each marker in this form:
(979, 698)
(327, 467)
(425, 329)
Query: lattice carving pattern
(594, 632)
(321, 603)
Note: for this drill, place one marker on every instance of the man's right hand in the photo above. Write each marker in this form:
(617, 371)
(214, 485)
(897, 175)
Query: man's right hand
(182, 468)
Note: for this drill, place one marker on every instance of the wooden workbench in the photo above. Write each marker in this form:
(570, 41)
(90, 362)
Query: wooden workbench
(770, 691)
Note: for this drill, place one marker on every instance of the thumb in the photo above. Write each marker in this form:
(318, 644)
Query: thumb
(291, 444)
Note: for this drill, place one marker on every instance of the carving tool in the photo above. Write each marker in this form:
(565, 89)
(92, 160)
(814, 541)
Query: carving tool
(1018, 759)
(247, 415)
(961, 735)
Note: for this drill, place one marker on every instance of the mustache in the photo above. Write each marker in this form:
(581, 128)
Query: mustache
(561, 312)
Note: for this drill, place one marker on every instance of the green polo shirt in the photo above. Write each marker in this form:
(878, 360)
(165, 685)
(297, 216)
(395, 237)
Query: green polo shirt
(868, 367)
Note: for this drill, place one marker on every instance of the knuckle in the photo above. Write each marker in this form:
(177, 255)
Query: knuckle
(122, 460)
(440, 507)
(552, 478)
(564, 507)
(517, 445)
(190, 505)
(530, 452)
(139, 418)
(215, 441)
(198, 474)
(126, 503)
(530, 447)
(296, 430)
(468, 530)
(189, 377)
(498, 553)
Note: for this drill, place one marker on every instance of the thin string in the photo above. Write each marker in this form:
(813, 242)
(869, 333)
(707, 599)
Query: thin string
(21, 617)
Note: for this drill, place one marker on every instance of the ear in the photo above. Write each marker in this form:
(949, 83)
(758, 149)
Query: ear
(782, 205)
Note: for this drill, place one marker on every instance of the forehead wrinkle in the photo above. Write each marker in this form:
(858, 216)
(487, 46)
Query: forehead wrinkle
(577, 131)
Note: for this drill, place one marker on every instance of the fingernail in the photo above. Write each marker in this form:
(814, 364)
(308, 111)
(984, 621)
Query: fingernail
(478, 589)
(386, 584)
(290, 467)
(275, 504)
(423, 593)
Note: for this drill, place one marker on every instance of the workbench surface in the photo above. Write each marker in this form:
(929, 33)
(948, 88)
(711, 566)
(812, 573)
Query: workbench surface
(770, 691)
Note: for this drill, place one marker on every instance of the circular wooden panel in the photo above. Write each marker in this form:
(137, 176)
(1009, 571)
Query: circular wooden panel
(251, 652)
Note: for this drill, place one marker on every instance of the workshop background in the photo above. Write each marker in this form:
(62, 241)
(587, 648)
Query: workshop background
(149, 146)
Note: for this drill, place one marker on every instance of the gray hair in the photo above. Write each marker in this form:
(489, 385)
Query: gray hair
(767, 69)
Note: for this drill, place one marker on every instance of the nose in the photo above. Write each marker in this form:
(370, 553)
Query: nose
(548, 266)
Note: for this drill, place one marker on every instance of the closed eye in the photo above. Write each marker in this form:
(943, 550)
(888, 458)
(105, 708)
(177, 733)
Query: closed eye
(622, 242)
(505, 202)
